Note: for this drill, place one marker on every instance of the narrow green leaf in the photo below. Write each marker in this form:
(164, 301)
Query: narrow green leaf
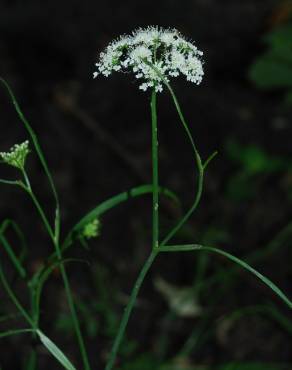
(10, 182)
(34, 140)
(10, 223)
(9, 333)
(14, 299)
(41, 276)
(55, 351)
(180, 248)
(112, 202)
(10, 316)
(198, 247)
(16, 261)
(209, 159)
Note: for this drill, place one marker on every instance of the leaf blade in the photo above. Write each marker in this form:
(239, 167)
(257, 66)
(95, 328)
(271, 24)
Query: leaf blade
(55, 351)
(246, 266)
(112, 202)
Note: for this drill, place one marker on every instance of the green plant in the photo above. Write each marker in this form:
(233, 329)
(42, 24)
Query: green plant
(273, 69)
(252, 161)
(154, 55)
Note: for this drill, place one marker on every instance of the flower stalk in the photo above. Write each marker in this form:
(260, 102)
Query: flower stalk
(155, 181)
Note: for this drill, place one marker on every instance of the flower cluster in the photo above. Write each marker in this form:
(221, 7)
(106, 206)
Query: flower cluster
(16, 156)
(92, 229)
(154, 55)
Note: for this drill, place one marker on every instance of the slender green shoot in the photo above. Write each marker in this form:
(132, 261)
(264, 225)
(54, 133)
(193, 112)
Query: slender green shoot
(36, 145)
(155, 200)
(129, 308)
(15, 227)
(10, 333)
(111, 203)
(200, 165)
(246, 266)
(14, 299)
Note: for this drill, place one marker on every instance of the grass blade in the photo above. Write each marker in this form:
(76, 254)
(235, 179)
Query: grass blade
(16, 261)
(14, 299)
(246, 266)
(34, 140)
(112, 202)
(9, 182)
(9, 333)
(41, 276)
(55, 351)
(8, 222)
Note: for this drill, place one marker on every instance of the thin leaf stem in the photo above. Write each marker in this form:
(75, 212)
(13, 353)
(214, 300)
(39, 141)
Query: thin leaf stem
(9, 333)
(36, 145)
(14, 259)
(129, 308)
(246, 266)
(155, 199)
(200, 166)
(69, 295)
(41, 212)
(15, 300)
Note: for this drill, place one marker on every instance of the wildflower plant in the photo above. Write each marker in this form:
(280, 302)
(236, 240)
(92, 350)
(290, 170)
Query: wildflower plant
(155, 56)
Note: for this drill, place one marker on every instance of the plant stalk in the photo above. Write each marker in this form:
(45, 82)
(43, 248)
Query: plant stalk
(129, 308)
(155, 200)
(54, 237)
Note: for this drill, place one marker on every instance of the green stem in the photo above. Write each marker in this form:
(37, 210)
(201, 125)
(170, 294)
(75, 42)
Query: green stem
(246, 266)
(41, 213)
(53, 234)
(31, 363)
(14, 299)
(70, 300)
(201, 166)
(129, 309)
(199, 163)
(10, 333)
(14, 258)
(155, 236)
(74, 316)
(37, 147)
(155, 200)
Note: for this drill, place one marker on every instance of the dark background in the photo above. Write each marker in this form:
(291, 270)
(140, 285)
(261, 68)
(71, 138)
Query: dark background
(96, 136)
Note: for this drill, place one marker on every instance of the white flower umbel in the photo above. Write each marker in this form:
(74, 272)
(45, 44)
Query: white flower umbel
(16, 156)
(154, 54)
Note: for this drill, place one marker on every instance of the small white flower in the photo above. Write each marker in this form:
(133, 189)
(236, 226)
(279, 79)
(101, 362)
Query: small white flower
(169, 37)
(154, 54)
(140, 53)
(17, 155)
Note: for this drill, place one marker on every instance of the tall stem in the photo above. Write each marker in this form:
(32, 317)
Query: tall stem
(54, 236)
(155, 237)
(155, 200)
(129, 309)
(199, 163)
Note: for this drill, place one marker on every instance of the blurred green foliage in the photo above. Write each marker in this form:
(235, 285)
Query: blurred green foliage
(251, 161)
(273, 69)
